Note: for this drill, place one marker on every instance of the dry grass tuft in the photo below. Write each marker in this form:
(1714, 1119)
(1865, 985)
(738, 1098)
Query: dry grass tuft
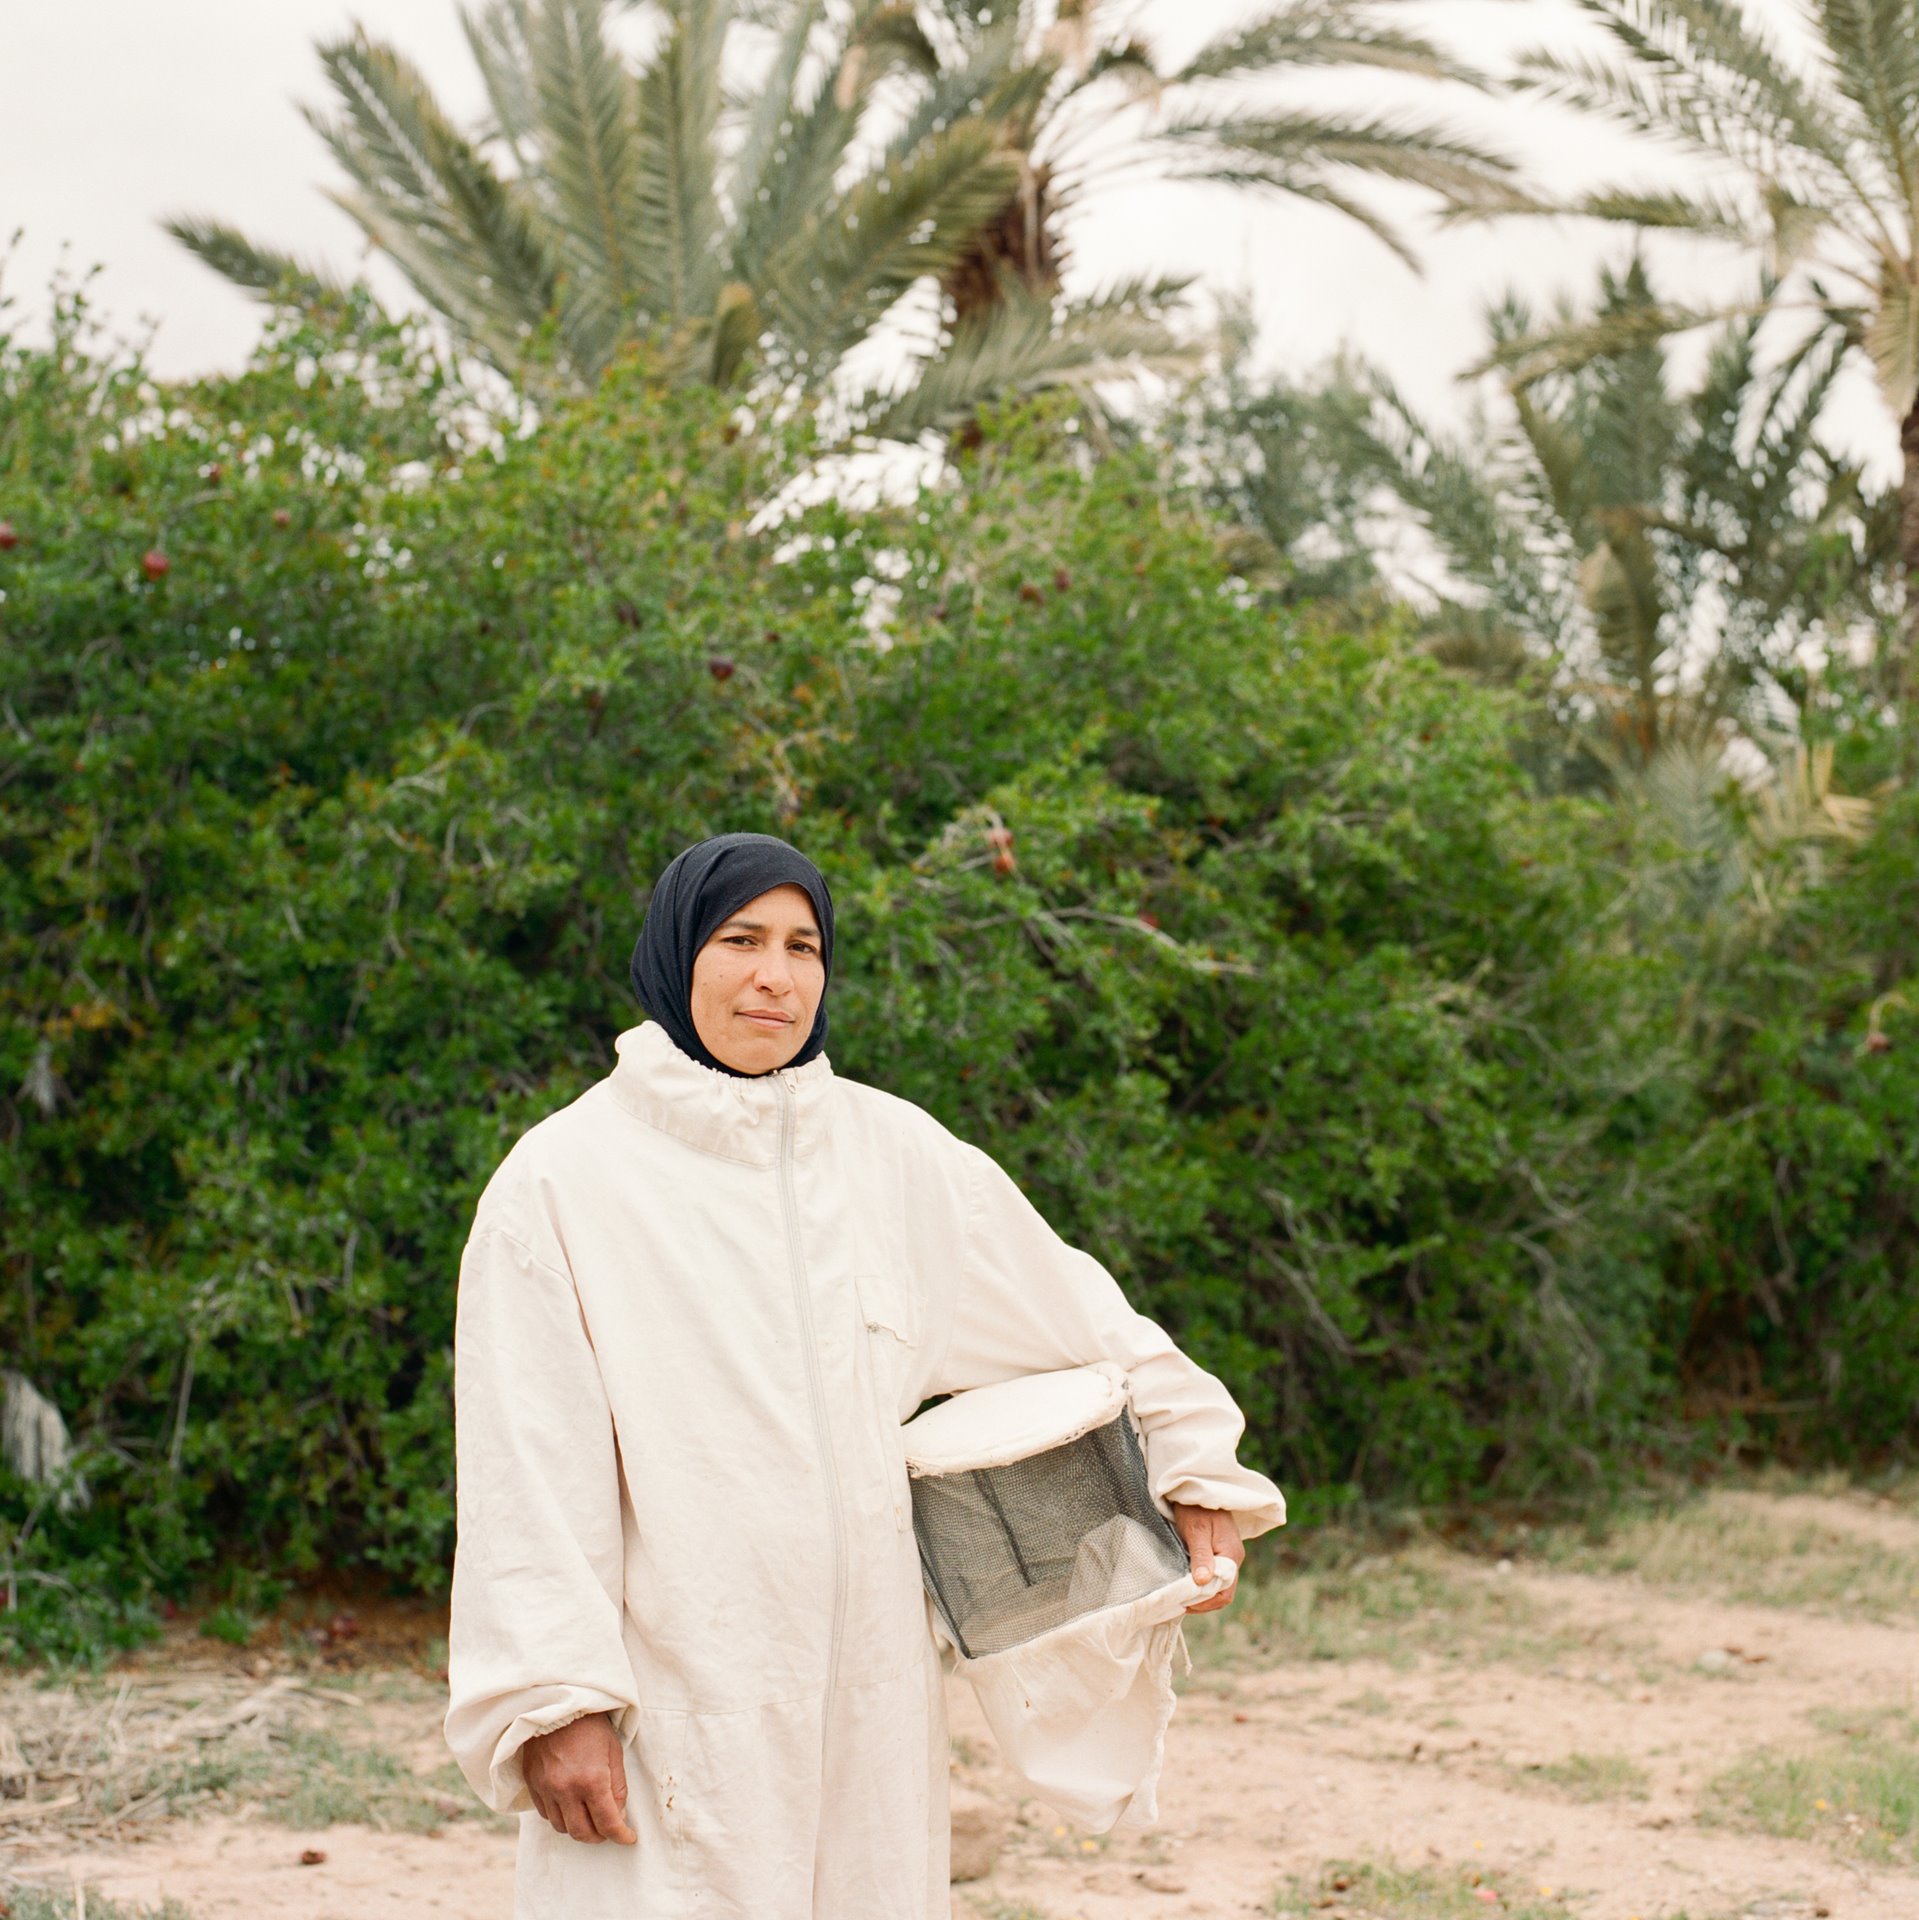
(1384, 1890)
(1426, 1603)
(1858, 1795)
(1594, 1776)
(1824, 1551)
(105, 1760)
(22, 1902)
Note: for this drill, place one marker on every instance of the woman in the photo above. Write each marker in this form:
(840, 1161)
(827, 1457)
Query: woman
(689, 1641)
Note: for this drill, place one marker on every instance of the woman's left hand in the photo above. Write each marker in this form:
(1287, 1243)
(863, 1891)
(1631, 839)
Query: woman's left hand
(1208, 1534)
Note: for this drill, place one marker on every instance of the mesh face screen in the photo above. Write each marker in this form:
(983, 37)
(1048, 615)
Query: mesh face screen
(1012, 1552)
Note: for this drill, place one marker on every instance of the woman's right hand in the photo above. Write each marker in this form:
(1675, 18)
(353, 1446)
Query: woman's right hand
(577, 1777)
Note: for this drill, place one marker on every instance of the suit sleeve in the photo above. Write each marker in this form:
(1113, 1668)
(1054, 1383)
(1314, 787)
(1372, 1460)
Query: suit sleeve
(1029, 1303)
(536, 1638)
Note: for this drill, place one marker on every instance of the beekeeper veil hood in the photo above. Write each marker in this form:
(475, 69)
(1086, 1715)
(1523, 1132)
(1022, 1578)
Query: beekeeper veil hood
(1057, 1581)
(697, 894)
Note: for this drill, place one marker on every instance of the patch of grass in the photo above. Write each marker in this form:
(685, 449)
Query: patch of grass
(1729, 1543)
(1381, 1890)
(990, 1909)
(143, 1750)
(308, 1779)
(1595, 1776)
(1860, 1795)
(1858, 1722)
(324, 1783)
(1342, 1604)
(36, 1903)
(376, 1685)
(230, 1624)
(1372, 1701)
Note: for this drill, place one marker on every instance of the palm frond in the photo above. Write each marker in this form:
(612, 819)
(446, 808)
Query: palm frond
(975, 29)
(792, 154)
(499, 36)
(1478, 642)
(471, 242)
(1830, 148)
(589, 158)
(893, 36)
(1462, 502)
(1562, 485)
(1629, 95)
(1624, 404)
(1720, 410)
(1684, 786)
(1131, 63)
(1718, 78)
(909, 217)
(676, 162)
(278, 277)
(1322, 33)
(992, 83)
(1873, 60)
(768, 111)
(1892, 336)
(1791, 403)
(1756, 486)
(1800, 804)
(1793, 223)
(1711, 216)
(1024, 345)
(1290, 152)
(1578, 343)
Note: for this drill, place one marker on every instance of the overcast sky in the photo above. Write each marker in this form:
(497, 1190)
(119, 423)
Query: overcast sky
(115, 112)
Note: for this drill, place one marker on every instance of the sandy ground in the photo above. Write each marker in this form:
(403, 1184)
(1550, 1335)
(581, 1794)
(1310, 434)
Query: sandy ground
(1521, 1737)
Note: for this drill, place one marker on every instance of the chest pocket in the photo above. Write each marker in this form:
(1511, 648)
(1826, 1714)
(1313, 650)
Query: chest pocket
(891, 1353)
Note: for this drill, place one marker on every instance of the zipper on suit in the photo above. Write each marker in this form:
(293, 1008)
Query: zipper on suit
(815, 1385)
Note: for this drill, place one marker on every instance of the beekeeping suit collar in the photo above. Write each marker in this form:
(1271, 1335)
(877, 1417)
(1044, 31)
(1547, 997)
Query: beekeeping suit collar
(734, 1116)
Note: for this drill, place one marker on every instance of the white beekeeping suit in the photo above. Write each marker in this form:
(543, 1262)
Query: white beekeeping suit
(694, 1310)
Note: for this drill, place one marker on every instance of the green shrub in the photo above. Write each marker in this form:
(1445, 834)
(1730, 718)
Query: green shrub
(1802, 1319)
(321, 856)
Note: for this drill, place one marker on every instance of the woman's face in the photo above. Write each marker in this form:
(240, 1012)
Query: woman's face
(757, 982)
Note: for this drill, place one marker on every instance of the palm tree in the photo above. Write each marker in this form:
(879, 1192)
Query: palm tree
(1085, 105)
(778, 178)
(1827, 148)
(1657, 557)
(599, 201)
(1289, 469)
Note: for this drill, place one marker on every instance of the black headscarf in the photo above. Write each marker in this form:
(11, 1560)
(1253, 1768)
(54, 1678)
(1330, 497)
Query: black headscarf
(700, 891)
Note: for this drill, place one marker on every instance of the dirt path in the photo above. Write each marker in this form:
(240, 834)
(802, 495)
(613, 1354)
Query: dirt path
(1610, 1732)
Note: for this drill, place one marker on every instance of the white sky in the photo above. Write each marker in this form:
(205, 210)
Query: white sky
(116, 112)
